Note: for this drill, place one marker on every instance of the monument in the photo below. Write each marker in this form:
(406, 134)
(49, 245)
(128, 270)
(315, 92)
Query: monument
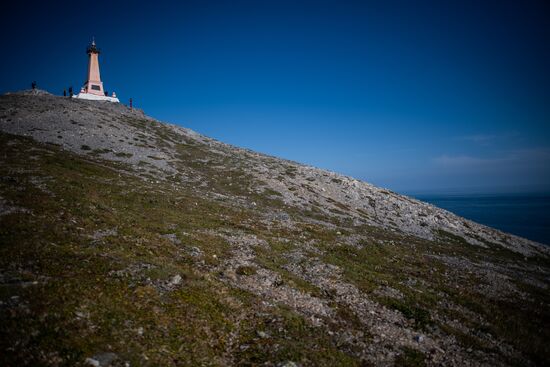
(93, 87)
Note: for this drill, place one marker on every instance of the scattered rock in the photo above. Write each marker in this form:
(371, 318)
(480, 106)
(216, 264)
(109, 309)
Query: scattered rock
(103, 359)
(176, 279)
(92, 362)
(99, 235)
(419, 338)
(262, 334)
(195, 252)
(287, 364)
(172, 237)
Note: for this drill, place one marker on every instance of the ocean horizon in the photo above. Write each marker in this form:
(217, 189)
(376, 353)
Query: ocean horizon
(523, 214)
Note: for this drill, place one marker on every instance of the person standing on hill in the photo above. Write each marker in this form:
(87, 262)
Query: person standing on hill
(33, 85)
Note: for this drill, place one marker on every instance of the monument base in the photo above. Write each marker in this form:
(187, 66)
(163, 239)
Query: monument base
(95, 97)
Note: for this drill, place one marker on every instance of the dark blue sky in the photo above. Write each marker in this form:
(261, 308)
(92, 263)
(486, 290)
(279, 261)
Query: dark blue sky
(410, 95)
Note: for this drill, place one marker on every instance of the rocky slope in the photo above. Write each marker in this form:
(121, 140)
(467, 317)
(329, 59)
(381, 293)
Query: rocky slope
(130, 241)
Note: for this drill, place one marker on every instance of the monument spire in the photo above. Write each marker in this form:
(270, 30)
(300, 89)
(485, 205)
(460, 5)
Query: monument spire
(93, 83)
(93, 87)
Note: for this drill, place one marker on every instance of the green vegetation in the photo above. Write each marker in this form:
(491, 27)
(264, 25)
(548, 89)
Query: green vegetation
(246, 270)
(95, 258)
(123, 155)
(80, 306)
(410, 358)
(420, 316)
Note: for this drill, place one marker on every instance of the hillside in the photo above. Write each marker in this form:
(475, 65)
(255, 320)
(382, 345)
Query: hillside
(128, 241)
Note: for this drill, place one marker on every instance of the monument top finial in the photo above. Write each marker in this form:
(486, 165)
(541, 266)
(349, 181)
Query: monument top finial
(92, 49)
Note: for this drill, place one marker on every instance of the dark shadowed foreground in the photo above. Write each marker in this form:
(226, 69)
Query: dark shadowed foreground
(127, 241)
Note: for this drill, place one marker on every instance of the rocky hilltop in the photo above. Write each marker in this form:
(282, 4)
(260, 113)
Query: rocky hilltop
(129, 241)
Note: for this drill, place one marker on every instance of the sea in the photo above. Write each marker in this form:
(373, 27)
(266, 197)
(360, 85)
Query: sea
(525, 215)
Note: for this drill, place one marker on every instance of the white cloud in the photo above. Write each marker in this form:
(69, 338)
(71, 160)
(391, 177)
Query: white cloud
(489, 139)
(465, 161)
(512, 169)
(536, 154)
(526, 157)
(479, 138)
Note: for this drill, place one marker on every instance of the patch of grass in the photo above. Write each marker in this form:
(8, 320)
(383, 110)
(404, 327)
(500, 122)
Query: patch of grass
(123, 155)
(100, 151)
(270, 192)
(288, 337)
(246, 270)
(410, 311)
(449, 237)
(274, 259)
(366, 267)
(465, 339)
(410, 357)
(291, 172)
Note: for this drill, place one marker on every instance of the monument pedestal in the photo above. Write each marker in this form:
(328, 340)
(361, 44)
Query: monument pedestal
(95, 97)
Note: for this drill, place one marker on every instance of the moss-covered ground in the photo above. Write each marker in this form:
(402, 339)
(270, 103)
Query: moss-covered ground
(86, 267)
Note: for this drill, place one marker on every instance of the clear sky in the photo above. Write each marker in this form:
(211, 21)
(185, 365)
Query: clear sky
(410, 95)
